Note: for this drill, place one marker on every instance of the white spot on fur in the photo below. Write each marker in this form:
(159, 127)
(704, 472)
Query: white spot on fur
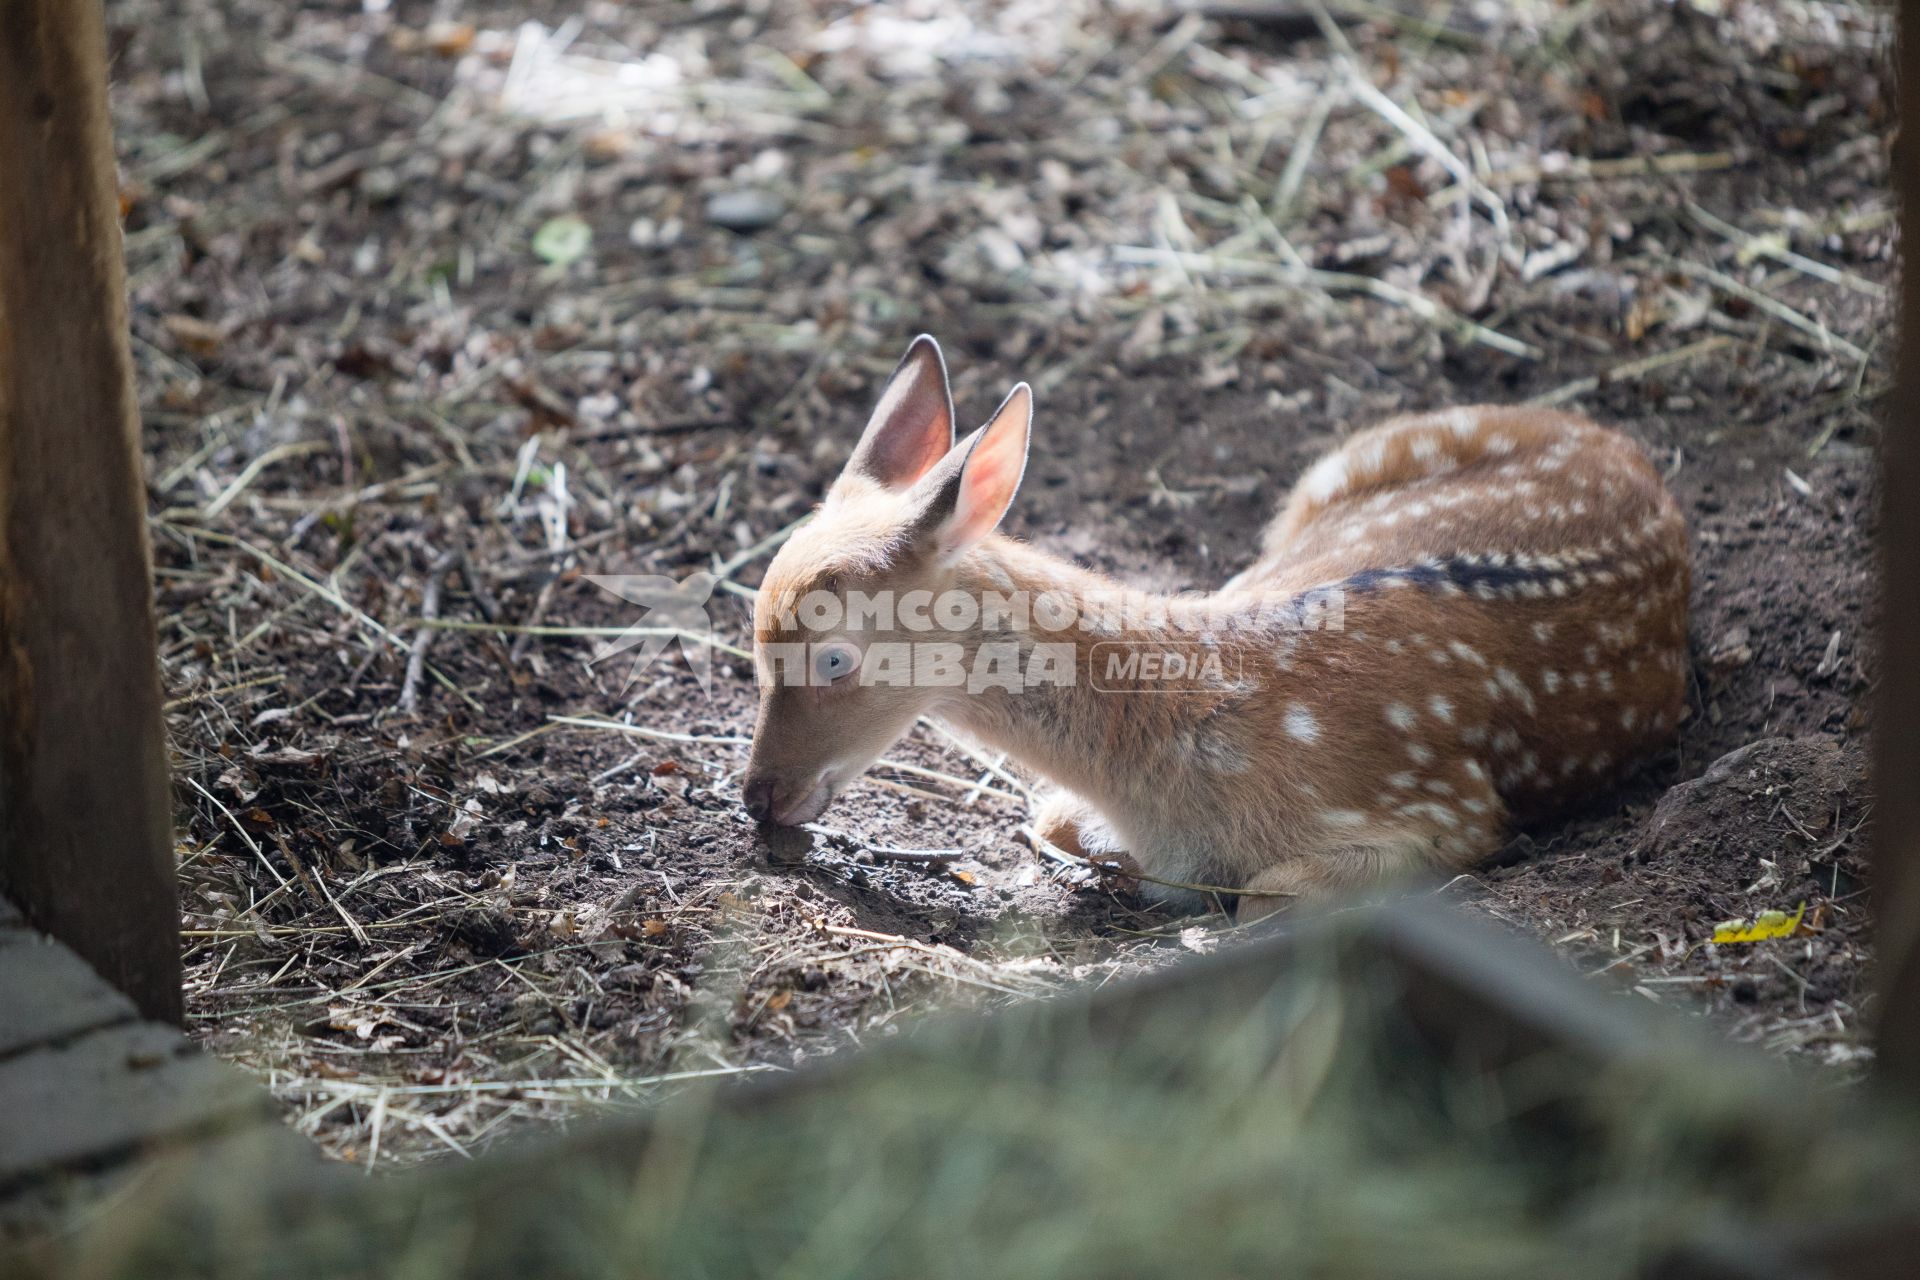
(1326, 478)
(1400, 715)
(1302, 724)
(1514, 685)
(1440, 813)
(1441, 708)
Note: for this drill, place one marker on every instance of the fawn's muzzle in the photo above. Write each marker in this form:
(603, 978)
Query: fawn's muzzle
(769, 799)
(757, 795)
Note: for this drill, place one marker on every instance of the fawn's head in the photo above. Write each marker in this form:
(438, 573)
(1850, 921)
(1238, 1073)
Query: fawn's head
(910, 505)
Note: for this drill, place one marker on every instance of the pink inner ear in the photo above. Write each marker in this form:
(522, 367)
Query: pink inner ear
(912, 426)
(991, 477)
(905, 454)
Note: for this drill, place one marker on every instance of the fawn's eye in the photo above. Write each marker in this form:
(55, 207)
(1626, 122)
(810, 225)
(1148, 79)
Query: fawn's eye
(833, 662)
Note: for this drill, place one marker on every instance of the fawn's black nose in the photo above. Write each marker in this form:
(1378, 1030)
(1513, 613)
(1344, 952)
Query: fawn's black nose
(757, 794)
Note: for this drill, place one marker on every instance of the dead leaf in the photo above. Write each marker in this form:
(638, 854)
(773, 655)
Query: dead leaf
(450, 39)
(239, 782)
(196, 336)
(1402, 186)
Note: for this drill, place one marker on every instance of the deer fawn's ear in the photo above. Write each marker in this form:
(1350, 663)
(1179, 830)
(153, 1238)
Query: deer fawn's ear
(912, 426)
(971, 489)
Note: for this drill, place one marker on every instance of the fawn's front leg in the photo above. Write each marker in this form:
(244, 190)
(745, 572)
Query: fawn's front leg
(1071, 825)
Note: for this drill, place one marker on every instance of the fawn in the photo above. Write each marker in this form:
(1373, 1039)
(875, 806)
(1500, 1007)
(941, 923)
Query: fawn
(1458, 619)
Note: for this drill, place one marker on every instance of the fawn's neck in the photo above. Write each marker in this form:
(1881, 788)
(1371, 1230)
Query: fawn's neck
(1087, 731)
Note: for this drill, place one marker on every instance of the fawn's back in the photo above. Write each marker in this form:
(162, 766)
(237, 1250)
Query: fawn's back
(1515, 606)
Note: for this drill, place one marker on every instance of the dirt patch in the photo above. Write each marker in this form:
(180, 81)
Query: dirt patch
(419, 351)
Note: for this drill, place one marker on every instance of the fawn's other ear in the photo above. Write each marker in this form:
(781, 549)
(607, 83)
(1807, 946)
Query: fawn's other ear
(912, 426)
(971, 489)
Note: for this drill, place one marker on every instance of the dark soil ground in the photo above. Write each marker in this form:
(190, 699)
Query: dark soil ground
(394, 417)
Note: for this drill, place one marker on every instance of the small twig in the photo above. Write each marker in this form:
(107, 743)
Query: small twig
(1768, 248)
(1633, 369)
(280, 453)
(934, 775)
(1580, 169)
(614, 726)
(915, 857)
(477, 588)
(1779, 310)
(526, 633)
(317, 884)
(1423, 139)
(258, 852)
(424, 637)
(187, 700)
(888, 853)
(509, 628)
(1301, 155)
(1313, 278)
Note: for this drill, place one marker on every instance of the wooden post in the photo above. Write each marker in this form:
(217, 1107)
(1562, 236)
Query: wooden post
(85, 828)
(1896, 760)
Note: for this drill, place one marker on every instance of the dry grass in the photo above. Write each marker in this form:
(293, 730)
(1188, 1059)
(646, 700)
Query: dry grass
(1285, 1127)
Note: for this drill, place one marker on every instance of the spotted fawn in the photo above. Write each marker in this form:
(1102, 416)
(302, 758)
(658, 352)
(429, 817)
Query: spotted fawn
(1458, 620)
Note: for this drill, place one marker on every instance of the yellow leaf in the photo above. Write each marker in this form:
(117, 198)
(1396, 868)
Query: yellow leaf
(1768, 924)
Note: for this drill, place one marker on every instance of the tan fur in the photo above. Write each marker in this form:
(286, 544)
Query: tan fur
(1405, 740)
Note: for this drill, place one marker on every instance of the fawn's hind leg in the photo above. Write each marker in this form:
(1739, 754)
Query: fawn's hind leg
(1347, 867)
(1071, 825)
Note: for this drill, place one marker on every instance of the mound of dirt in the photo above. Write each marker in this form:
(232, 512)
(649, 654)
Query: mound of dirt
(1754, 800)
